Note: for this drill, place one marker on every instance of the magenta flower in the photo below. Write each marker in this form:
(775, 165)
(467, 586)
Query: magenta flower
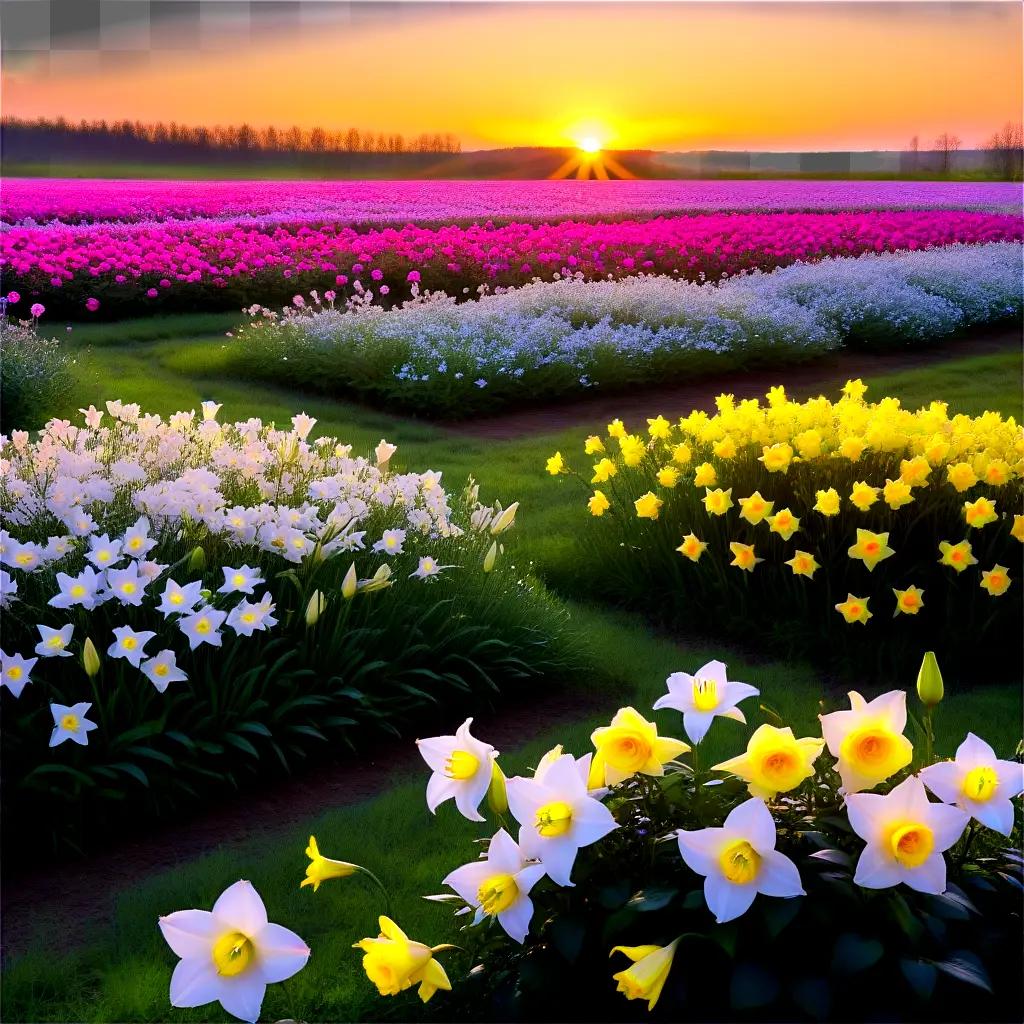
(377, 275)
(413, 276)
(92, 304)
(37, 309)
(152, 293)
(13, 297)
(341, 280)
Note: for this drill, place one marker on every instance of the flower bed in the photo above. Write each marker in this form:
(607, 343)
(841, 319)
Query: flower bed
(152, 266)
(189, 605)
(854, 532)
(548, 340)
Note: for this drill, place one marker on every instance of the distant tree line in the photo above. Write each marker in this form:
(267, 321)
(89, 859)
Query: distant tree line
(127, 137)
(1005, 149)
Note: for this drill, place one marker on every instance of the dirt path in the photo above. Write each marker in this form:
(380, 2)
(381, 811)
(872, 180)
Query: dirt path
(70, 900)
(679, 399)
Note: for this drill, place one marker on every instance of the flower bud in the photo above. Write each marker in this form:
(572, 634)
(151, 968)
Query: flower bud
(197, 560)
(350, 584)
(316, 605)
(929, 681)
(90, 658)
(497, 796)
(491, 557)
(505, 520)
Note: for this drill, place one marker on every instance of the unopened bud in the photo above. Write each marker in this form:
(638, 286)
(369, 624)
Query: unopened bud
(90, 658)
(929, 681)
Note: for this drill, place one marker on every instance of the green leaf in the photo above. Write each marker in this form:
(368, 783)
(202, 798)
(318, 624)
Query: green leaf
(813, 996)
(242, 744)
(853, 953)
(752, 986)
(654, 898)
(567, 935)
(133, 770)
(920, 975)
(779, 913)
(967, 967)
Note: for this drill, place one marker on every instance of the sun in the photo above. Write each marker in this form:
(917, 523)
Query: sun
(589, 144)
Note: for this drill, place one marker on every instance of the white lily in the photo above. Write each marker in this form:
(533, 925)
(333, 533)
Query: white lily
(130, 645)
(162, 670)
(15, 671)
(54, 642)
(461, 766)
(703, 696)
(70, 723)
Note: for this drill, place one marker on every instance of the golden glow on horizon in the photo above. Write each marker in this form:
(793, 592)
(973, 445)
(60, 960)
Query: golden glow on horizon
(590, 145)
(661, 76)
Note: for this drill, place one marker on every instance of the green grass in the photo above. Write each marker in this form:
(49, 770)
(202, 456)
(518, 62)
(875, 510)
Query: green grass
(124, 970)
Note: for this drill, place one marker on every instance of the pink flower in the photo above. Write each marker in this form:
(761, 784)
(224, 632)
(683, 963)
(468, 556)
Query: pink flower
(152, 293)
(341, 280)
(56, 282)
(164, 283)
(413, 276)
(377, 275)
(13, 297)
(37, 309)
(92, 304)
(298, 301)
(384, 289)
(329, 295)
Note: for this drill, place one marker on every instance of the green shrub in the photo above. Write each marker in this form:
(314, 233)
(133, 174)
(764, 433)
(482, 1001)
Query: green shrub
(35, 376)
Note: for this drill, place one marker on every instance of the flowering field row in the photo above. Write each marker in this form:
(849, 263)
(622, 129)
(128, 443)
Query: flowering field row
(544, 340)
(119, 268)
(802, 524)
(191, 603)
(77, 200)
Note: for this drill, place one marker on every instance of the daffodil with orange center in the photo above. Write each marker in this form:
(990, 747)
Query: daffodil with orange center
(803, 563)
(980, 512)
(774, 762)
(692, 547)
(854, 609)
(784, 523)
(755, 508)
(871, 548)
(648, 506)
(996, 580)
(717, 502)
(863, 495)
(909, 601)
(956, 556)
(743, 556)
(630, 745)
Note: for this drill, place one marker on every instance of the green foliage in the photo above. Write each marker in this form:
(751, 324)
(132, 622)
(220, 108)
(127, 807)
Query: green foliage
(36, 374)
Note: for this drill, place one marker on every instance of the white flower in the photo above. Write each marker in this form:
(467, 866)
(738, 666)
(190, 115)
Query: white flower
(739, 860)
(383, 452)
(104, 552)
(127, 585)
(461, 767)
(978, 783)
(240, 581)
(70, 723)
(428, 567)
(57, 548)
(391, 542)
(210, 410)
(302, 425)
(246, 617)
(8, 588)
(15, 671)
(230, 954)
(557, 815)
(180, 600)
(499, 886)
(203, 627)
(702, 696)
(82, 589)
(130, 645)
(92, 416)
(162, 669)
(906, 835)
(54, 642)
(137, 542)
(27, 557)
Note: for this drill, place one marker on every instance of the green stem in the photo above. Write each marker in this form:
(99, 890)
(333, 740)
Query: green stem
(380, 885)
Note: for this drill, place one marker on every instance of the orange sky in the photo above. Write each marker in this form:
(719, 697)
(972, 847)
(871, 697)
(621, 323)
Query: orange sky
(666, 76)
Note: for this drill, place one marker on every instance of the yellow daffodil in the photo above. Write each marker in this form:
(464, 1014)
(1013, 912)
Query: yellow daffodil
(808, 444)
(616, 429)
(1017, 530)
(630, 746)
(321, 868)
(961, 476)
(854, 609)
(863, 495)
(897, 493)
(668, 476)
(784, 523)
(755, 508)
(774, 762)
(717, 502)
(995, 580)
(648, 506)
(827, 502)
(956, 556)
(682, 454)
(871, 548)
(777, 396)
(855, 389)
(776, 457)
(743, 556)
(556, 464)
(725, 448)
(803, 563)
(394, 962)
(692, 548)
(705, 475)
(598, 504)
(914, 472)
(593, 445)
(646, 977)
(997, 472)
(633, 449)
(980, 512)
(852, 448)
(604, 471)
(659, 428)
(909, 601)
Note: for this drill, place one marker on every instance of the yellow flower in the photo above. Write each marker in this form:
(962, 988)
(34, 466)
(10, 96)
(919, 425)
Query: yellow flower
(743, 556)
(646, 978)
(717, 501)
(980, 512)
(705, 476)
(774, 762)
(777, 396)
(828, 502)
(692, 548)
(871, 548)
(803, 563)
(604, 471)
(394, 962)
(914, 472)
(852, 448)
(682, 454)
(909, 601)
(961, 476)
(1017, 530)
(725, 448)
(808, 444)
(630, 745)
(633, 449)
(863, 495)
(776, 457)
(936, 449)
(668, 476)
(854, 389)
(995, 580)
(997, 472)
(598, 504)
(854, 609)
(784, 523)
(321, 868)
(593, 445)
(755, 508)
(616, 429)
(956, 556)
(659, 428)
(556, 464)
(648, 506)
(897, 493)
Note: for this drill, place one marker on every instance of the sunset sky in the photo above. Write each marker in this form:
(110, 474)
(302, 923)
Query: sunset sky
(743, 75)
